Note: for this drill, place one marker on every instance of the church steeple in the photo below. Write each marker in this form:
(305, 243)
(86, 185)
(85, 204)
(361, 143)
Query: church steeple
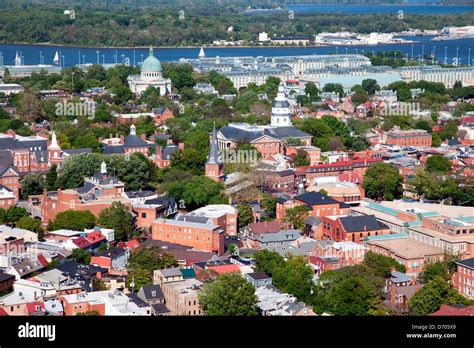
(214, 156)
(214, 164)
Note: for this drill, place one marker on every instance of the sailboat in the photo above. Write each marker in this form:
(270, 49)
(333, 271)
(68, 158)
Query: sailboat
(18, 59)
(56, 58)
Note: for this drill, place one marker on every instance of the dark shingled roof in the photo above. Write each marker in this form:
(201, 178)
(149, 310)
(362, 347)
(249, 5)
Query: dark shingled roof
(361, 223)
(6, 158)
(168, 151)
(134, 141)
(280, 104)
(78, 151)
(469, 263)
(160, 308)
(5, 276)
(258, 275)
(85, 188)
(8, 143)
(112, 149)
(316, 198)
(152, 292)
(238, 134)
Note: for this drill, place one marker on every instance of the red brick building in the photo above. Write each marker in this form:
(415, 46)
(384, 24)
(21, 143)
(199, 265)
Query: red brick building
(318, 204)
(359, 166)
(463, 279)
(162, 114)
(352, 228)
(98, 193)
(200, 234)
(411, 137)
(10, 179)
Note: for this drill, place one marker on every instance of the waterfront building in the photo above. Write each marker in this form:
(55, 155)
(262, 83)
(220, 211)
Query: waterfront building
(435, 73)
(151, 76)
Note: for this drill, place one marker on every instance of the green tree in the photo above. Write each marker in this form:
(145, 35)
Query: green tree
(382, 181)
(118, 218)
(432, 295)
(245, 212)
(370, 86)
(438, 163)
(28, 223)
(268, 262)
(81, 256)
(151, 257)
(382, 265)
(14, 214)
(301, 158)
(268, 204)
(140, 277)
(296, 216)
(229, 295)
(74, 220)
(197, 192)
(31, 184)
(51, 178)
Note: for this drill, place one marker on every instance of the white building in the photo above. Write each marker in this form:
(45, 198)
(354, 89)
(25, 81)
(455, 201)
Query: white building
(435, 73)
(151, 75)
(115, 302)
(281, 115)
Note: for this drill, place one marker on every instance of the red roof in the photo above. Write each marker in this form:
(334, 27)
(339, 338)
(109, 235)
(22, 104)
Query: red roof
(3, 313)
(35, 307)
(346, 163)
(132, 244)
(81, 242)
(225, 268)
(467, 120)
(94, 237)
(42, 260)
(458, 311)
(264, 227)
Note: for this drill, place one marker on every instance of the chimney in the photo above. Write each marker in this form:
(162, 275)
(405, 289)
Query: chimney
(143, 137)
(11, 133)
(365, 228)
(393, 295)
(110, 135)
(181, 146)
(100, 139)
(122, 139)
(159, 151)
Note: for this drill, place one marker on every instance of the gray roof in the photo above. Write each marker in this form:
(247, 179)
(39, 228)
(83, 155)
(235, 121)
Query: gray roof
(280, 104)
(399, 277)
(85, 188)
(152, 292)
(168, 151)
(78, 151)
(361, 223)
(282, 236)
(258, 275)
(134, 141)
(171, 272)
(6, 158)
(112, 149)
(239, 134)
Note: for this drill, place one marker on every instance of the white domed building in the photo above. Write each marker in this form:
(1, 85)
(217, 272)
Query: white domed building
(151, 75)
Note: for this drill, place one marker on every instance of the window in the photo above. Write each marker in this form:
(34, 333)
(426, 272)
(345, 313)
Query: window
(143, 215)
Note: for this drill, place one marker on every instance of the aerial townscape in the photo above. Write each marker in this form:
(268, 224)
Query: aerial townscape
(284, 184)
